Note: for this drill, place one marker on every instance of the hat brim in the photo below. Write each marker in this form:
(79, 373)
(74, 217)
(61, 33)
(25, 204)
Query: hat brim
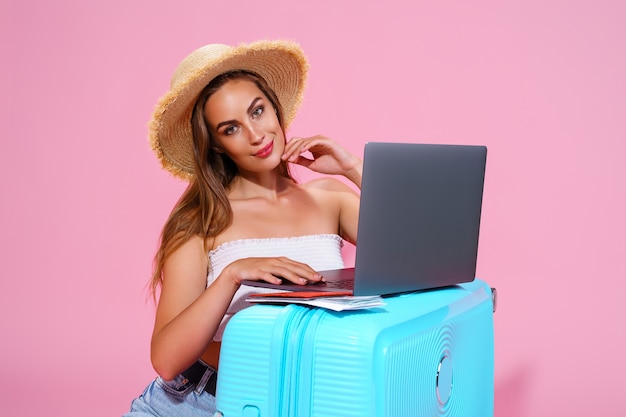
(281, 64)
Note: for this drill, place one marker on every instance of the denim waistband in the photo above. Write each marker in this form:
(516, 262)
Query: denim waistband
(203, 375)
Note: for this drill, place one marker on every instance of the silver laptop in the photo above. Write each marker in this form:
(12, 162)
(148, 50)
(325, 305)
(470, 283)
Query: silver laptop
(419, 220)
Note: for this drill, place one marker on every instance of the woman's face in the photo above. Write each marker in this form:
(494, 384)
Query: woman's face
(245, 127)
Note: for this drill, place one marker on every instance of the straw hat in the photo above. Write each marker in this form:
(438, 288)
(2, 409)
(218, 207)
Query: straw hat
(280, 63)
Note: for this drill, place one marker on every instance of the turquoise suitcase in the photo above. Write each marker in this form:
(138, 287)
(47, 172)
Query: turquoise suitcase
(429, 353)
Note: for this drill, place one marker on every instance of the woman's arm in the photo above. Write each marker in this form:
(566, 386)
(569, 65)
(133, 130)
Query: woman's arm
(188, 313)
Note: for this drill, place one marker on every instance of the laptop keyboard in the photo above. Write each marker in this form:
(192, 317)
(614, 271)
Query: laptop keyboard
(342, 284)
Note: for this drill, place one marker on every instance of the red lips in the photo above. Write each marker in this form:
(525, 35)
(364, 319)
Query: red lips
(265, 151)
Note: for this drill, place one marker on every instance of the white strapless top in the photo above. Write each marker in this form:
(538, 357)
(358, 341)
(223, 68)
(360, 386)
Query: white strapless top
(320, 252)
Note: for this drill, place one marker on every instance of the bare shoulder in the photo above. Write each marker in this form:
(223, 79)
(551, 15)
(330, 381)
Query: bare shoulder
(343, 198)
(189, 261)
(184, 279)
(189, 250)
(327, 184)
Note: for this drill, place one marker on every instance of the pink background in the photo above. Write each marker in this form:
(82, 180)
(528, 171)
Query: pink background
(540, 82)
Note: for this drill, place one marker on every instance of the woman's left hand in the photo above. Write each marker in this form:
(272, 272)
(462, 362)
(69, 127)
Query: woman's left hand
(328, 156)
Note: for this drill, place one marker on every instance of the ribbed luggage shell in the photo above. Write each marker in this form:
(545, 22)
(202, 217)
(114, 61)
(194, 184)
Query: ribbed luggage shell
(423, 354)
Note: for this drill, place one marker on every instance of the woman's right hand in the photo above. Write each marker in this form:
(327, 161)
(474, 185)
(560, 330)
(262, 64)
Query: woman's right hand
(272, 270)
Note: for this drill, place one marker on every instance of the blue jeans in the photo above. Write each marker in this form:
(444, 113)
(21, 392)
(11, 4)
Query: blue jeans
(178, 397)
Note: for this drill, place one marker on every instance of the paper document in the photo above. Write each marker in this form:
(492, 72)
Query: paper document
(336, 301)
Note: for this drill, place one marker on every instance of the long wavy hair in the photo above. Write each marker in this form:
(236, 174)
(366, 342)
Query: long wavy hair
(203, 209)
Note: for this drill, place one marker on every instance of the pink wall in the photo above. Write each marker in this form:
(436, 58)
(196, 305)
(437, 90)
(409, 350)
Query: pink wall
(540, 82)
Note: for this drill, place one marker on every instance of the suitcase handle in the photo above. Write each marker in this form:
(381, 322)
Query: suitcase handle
(494, 298)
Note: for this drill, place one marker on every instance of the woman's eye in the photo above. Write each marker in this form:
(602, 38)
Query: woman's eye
(257, 112)
(230, 130)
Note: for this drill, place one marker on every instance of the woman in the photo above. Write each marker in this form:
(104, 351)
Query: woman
(222, 127)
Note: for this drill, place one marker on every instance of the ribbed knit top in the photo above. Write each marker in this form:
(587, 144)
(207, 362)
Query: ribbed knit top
(320, 252)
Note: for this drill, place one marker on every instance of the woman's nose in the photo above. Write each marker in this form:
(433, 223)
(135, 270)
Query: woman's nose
(256, 134)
